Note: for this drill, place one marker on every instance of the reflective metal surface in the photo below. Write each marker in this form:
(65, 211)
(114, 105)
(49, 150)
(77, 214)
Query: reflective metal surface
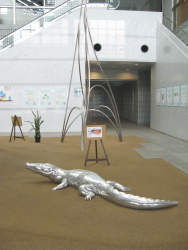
(86, 86)
(90, 184)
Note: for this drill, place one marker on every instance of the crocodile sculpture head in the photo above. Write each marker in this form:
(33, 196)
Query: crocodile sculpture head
(54, 173)
(40, 168)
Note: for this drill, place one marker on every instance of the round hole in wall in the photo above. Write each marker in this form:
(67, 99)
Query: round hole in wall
(144, 48)
(97, 47)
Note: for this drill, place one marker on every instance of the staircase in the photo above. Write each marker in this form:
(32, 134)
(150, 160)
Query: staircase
(42, 22)
(33, 27)
(180, 32)
(29, 8)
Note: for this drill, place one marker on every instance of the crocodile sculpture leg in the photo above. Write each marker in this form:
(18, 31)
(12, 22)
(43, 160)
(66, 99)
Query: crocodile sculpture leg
(63, 184)
(86, 190)
(118, 186)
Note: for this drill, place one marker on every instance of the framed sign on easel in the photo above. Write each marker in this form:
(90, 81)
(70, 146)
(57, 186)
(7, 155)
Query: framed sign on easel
(95, 133)
(16, 121)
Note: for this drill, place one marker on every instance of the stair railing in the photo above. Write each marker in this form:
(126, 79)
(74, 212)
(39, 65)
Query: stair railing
(42, 22)
(174, 28)
(39, 23)
(26, 3)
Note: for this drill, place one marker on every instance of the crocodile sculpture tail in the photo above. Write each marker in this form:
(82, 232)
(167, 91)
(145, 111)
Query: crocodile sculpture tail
(132, 201)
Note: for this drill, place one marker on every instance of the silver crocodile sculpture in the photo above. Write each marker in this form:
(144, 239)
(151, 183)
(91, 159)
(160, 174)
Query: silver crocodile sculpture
(90, 184)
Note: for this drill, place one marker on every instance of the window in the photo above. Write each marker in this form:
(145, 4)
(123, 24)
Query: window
(3, 11)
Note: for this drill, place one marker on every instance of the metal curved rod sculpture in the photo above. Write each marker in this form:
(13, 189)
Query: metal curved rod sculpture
(112, 99)
(90, 184)
(114, 110)
(81, 114)
(86, 94)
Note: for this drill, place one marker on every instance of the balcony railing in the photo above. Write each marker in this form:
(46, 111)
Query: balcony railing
(42, 22)
(177, 30)
(64, 9)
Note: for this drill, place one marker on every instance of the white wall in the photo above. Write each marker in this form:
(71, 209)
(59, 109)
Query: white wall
(122, 33)
(41, 63)
(171, 70)
(44, 61)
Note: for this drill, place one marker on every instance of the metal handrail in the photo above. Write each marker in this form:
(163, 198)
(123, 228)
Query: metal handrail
(23, 3)
(175, 26)
(5, 32)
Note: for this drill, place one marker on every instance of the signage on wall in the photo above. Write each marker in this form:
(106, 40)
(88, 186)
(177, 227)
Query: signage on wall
(45, 97)
(61, 96)
(163, 96)
(169, 96)
(184, 96)
(31, 97)
(5, 93)
(176, 96)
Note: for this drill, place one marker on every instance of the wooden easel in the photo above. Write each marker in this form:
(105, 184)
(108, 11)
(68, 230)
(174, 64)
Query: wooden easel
(96, 153)
(16, 121)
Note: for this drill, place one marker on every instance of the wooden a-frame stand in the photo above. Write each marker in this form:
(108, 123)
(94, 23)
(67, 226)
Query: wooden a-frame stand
(96, 153)
(16, 121)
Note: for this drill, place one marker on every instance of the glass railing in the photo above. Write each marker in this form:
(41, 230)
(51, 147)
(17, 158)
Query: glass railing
(44, 20)
(177, 30)
(140, 5)
(40, 22)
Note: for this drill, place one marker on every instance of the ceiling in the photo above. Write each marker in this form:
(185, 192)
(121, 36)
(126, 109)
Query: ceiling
(117, 65)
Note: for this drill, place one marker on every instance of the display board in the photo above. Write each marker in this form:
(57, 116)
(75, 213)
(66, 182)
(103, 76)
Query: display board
(94, 132)
(16, 121)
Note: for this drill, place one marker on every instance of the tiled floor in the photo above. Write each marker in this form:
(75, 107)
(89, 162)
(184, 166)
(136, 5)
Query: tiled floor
(159, 145)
